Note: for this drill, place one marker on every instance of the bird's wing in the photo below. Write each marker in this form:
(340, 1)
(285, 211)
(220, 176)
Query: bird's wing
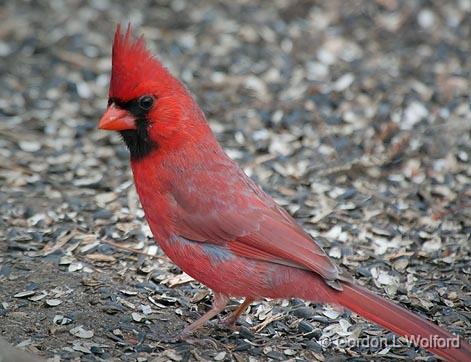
(227, 208)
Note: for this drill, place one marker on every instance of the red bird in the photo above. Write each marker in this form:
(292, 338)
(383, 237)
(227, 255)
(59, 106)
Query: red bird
(212, 220)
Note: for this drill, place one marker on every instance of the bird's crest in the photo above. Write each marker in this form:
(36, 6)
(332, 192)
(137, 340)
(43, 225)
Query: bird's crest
(133, 65)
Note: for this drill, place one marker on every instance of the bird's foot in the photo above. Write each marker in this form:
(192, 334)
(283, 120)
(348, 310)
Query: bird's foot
(201, 342)
(186, 336)
(173, 338)
(230, 323)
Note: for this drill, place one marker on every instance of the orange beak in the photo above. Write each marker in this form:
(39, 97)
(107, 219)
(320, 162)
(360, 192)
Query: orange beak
(116, 119)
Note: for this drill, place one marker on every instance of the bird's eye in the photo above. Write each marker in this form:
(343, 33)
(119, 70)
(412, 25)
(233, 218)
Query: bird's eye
(146, 102)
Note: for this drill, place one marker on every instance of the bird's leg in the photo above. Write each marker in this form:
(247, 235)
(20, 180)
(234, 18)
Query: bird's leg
(219, 303)
(234, 316)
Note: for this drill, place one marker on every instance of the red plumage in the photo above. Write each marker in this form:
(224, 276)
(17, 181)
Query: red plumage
(212, 220)
(134, 68)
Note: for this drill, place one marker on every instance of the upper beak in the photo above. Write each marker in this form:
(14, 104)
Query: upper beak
(116, 119)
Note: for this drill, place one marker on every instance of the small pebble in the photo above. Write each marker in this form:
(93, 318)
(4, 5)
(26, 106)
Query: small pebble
(24, 294)
(53, 302)
(80, 332)
(304, 312)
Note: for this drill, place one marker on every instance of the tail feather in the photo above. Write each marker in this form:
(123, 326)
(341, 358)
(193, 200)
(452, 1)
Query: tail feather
(403, 322)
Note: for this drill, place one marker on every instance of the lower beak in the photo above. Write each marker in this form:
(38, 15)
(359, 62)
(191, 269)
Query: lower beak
(116, 119)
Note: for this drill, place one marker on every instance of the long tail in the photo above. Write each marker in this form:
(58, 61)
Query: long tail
(403, 323)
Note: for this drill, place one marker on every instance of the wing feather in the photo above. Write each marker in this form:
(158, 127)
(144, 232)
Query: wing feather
(237, 214)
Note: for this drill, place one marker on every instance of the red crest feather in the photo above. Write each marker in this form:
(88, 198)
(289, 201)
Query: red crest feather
(133, 65)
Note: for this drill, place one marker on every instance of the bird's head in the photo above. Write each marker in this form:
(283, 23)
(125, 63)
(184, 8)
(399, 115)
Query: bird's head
(146, 104)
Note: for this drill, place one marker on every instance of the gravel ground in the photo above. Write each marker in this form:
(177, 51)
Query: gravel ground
(354, 115)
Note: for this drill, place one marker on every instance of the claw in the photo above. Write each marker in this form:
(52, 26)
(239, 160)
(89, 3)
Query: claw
(230, 323)
(175, 338)
(201, 342)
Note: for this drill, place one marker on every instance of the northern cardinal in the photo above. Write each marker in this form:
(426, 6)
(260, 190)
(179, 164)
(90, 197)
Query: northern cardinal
(212, 220)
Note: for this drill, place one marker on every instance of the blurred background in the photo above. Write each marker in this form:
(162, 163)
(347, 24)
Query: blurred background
(354, 115)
